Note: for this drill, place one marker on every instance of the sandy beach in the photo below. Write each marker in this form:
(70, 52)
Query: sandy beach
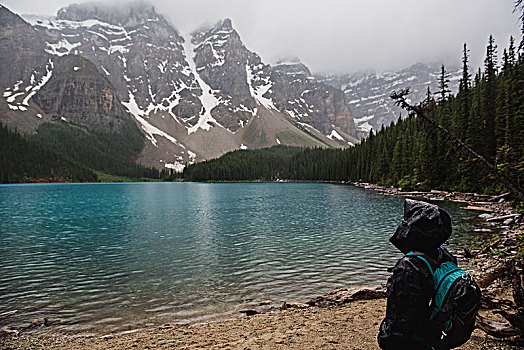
(351, 326)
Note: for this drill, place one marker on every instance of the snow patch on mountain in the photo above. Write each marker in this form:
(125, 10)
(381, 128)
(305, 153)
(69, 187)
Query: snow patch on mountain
(208, 99)
(176, 166)
(50, 22)
(118, 39)
(364, 119)
(149, 129)
(259, 92)
(20, 100)
(335, 135)
(61, 48)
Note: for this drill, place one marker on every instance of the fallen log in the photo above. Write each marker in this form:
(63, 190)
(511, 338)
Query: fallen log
(9, 331)
(257, 308)
(411, 194)
(500, 196)
(483, 230)
(517, 274)
(514, 320)
(494, 328)
(172, 325)
(293, 305)
(502, 218)
(493, 274)
(8, 313)
(472, 207)
(258, 311)
(490, 301)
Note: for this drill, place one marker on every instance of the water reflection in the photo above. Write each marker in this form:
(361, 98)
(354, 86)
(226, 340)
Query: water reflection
(117, 256)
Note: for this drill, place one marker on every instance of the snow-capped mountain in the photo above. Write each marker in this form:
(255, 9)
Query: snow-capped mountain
(368, 92)
(195, 96)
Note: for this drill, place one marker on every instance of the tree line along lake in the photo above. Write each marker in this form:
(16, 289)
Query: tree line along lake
(111, 257)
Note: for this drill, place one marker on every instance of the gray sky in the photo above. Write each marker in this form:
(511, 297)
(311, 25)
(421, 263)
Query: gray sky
(342, 36)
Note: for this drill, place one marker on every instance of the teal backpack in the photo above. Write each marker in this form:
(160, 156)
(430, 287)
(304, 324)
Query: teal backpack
(454, 304)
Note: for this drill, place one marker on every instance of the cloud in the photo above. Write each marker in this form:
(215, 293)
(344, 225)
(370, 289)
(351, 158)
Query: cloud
(344, 36)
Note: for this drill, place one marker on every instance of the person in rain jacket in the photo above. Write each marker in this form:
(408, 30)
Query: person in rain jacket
(424, 228)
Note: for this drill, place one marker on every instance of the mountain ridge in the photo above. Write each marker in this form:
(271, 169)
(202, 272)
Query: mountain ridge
(178, 86)
(368, 92)
(197, 96)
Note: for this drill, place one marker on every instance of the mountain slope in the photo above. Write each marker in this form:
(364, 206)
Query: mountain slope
(194, 96)
(71, 113)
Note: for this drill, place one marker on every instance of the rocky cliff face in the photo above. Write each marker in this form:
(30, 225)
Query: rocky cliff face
(38, 83)
(195, 96)
(311, 102)
(24, 69)
(229, 69)
(21, 49)
(78, 91)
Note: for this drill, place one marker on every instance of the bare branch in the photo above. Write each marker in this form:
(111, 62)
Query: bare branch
(421, 110)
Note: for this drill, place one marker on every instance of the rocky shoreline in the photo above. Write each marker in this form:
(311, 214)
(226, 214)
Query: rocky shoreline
(502, 241)
(502, 225)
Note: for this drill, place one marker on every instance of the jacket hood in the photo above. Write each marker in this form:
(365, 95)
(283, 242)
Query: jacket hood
(424, 228)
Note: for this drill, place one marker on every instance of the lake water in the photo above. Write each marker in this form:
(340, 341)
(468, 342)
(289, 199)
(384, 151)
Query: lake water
(112, 257)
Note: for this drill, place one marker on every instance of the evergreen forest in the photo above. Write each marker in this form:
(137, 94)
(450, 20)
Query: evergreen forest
(487, 114)
(62, 151)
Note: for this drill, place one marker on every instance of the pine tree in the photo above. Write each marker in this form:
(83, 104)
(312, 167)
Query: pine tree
(443, 84)
(489, 103)
(429, 97)
(463, 97)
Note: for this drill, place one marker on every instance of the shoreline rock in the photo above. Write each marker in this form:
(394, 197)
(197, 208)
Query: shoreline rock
(346, 295)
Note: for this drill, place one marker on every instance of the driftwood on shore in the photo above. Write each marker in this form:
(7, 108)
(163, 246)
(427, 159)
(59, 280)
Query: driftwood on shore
(515, 318)
(495, 329)
(478, 208)
(490, 301)
(8, 313)
(263, 307)
(503, 217)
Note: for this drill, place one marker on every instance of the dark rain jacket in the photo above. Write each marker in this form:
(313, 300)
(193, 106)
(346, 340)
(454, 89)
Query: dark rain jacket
(424, 229)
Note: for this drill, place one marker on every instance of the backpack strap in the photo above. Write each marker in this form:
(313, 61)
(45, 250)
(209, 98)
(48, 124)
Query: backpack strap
(432, 264)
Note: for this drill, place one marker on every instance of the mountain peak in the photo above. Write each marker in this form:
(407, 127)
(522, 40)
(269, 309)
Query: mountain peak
(129, 14)
(292, 65)
(225, 24)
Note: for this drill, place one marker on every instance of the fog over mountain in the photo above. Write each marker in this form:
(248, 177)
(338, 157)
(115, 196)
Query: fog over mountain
(342, 37)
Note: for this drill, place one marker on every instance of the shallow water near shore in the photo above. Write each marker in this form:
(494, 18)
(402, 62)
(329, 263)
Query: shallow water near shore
(112, 257)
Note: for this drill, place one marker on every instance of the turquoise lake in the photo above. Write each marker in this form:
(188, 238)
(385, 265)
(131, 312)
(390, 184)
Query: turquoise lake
(113, 257)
